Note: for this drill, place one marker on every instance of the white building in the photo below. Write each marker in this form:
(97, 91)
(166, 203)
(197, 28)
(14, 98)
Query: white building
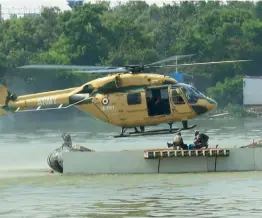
(252, 91)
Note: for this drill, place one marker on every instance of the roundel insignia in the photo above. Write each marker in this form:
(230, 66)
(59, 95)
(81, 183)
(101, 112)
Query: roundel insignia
(105, 101)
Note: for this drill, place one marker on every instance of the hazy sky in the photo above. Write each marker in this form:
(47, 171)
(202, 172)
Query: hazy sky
(32, 3)
(61, 3)
(32, 6)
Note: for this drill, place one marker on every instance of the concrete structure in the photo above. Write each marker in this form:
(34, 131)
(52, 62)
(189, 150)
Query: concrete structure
(252, 91)
(134, 162)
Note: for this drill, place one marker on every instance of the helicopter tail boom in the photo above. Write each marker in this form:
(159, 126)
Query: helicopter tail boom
(54, 100)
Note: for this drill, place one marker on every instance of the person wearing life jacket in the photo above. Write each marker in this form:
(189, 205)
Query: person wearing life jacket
(158, 99)
(158, 106)
(196, 139)
(200, 140)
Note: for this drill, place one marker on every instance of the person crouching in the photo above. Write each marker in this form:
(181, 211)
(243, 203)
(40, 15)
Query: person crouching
(178, 142)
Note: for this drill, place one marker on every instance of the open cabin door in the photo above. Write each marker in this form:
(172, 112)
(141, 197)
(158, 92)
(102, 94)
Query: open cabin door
(179, 101)
(157, 100)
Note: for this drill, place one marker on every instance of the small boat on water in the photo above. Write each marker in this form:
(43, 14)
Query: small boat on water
(55, 159)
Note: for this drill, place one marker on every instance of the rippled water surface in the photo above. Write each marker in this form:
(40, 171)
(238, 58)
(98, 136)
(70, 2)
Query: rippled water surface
(28, 190)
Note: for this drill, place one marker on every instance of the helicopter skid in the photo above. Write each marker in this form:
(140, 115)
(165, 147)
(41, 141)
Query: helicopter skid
(154, 132)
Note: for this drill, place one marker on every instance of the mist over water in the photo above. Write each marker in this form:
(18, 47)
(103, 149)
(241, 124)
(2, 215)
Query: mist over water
(27, 190)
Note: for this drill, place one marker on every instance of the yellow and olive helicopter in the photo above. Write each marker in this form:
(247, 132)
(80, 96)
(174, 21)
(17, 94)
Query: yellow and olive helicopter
(127, 97)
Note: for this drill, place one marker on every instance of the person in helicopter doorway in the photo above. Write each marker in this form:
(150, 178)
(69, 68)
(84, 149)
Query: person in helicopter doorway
(200, 140)
(178, 142)
(67, 140)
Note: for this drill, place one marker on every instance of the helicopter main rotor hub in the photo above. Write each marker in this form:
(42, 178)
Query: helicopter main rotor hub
(135, 68)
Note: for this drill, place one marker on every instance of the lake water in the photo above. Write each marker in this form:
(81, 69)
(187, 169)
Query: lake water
(28, 190)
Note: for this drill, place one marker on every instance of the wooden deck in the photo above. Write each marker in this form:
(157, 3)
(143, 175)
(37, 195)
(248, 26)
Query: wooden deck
(165, 153)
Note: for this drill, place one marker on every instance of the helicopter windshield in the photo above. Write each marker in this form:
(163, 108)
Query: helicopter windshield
(191, 93)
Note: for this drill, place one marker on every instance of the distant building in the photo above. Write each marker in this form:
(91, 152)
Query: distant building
(72, 3)
(7, 13)
(252, 92)
(32, 15)
(13, 16)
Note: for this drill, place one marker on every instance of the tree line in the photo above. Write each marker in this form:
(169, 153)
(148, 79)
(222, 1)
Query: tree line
(138, 33)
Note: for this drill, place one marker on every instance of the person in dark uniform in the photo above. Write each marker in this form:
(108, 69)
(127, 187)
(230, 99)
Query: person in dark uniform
(67, 140)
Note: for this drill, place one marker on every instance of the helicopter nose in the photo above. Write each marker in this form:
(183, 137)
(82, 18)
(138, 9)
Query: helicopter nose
(212, 104)
(204, 105)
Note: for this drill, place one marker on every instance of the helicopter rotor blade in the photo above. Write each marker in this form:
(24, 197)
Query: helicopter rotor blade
(172, 58)
(203, 63)
(83, 67)
(63, 67)
(107, 71)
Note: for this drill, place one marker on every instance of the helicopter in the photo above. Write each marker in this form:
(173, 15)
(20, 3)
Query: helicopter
(127, 97)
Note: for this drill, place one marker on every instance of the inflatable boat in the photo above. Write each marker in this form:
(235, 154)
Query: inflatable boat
(55, 159)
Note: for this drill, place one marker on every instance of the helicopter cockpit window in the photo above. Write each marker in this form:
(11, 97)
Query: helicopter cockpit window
(191, 94)
(133, 98)
(197, 92)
